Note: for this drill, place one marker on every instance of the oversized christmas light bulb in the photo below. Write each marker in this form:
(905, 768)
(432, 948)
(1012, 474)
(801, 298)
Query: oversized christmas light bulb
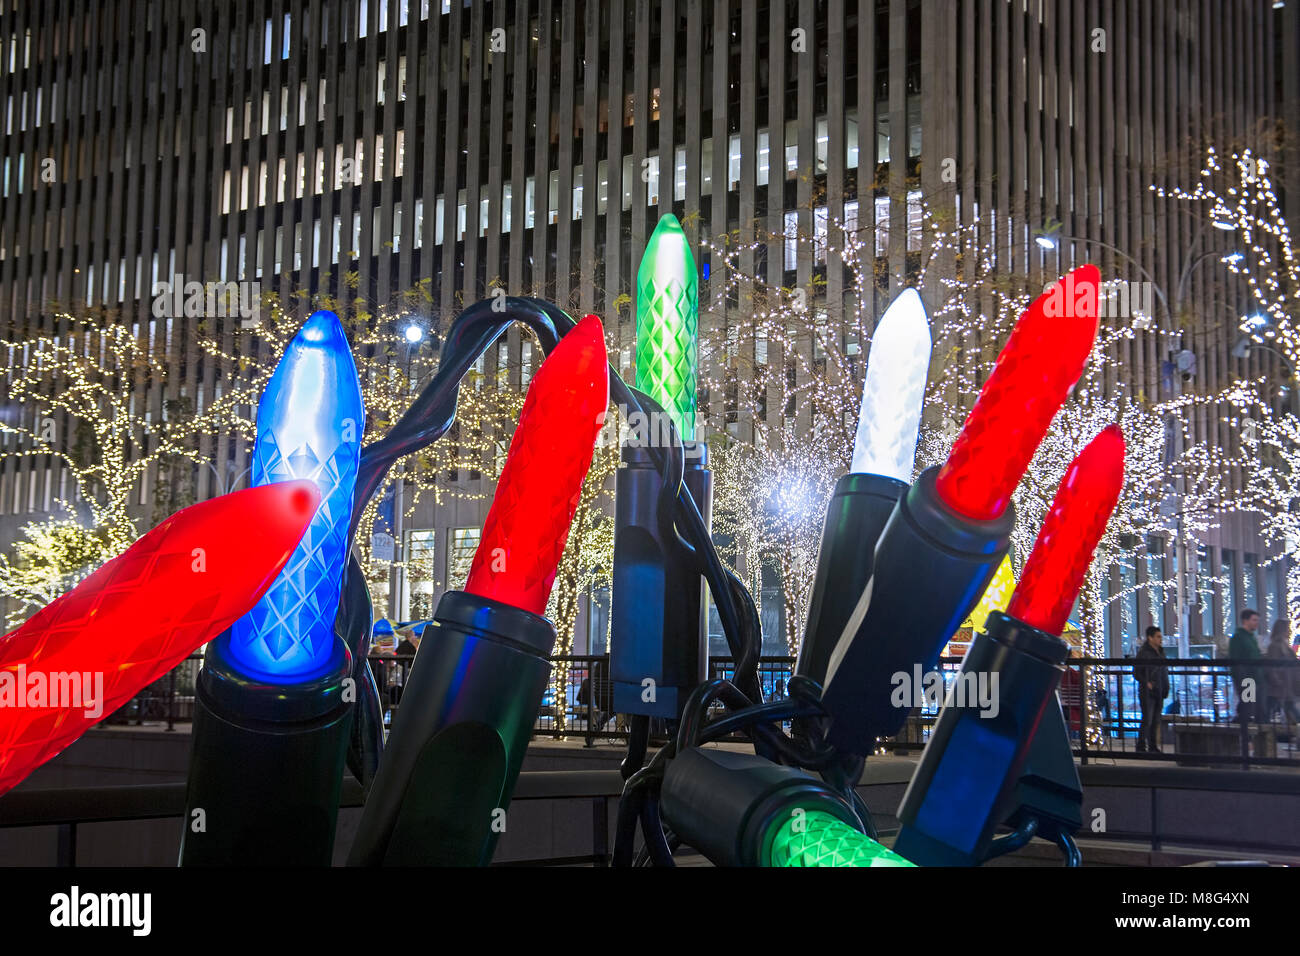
(658, 613)
(541, 482)
(1034, 373)
(273, 692)
(884, 453)
(1065, 544)
(740, 809)
(893, 391)
(949, 533)
(472, 697)
(667, 324)
(982, 739)
(817, 838)
(309, 425)
(140, 615)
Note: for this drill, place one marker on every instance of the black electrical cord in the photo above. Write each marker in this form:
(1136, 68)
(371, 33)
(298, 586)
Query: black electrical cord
(661, 853)
(428, 419)
(432, 414)
(1071, 849)
(638, 739)
(1013, 841)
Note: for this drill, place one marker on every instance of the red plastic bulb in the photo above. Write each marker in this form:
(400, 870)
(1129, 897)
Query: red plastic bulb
(541, 482)
(140, 615)
(1054, 572)
(1041, 361)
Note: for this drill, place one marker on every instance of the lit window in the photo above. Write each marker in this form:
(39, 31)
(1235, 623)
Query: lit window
(464, 543)
(915, 221)
(882, 226)
(791, 260)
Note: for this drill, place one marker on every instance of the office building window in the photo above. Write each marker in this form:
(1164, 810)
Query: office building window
(1250, 584)
(421, 573)
(1228, 589)
(1203, 624)
(1155, 581)
(460, 555)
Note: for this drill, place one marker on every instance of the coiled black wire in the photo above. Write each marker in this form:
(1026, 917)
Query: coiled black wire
(428, 419)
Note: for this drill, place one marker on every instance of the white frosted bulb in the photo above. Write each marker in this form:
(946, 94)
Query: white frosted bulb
(894, 390)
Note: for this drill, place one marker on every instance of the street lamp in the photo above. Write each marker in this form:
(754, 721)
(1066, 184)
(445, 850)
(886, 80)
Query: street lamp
(1049, 237)
(413, 332)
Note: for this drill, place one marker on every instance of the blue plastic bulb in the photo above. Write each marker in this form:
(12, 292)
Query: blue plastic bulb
(309, 425)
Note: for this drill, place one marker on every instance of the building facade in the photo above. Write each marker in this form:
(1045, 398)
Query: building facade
(532, 146)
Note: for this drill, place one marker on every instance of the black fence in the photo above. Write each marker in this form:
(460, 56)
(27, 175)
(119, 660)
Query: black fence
(167, 701)
(1199, 721)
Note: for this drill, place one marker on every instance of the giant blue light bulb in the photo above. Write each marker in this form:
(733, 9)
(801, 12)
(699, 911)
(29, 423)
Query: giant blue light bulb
(309, 425)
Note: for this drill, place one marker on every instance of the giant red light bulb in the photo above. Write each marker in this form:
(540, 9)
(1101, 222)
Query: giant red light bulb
(140, 615)
(1035, 371)
(1083, 504)
(541, 482)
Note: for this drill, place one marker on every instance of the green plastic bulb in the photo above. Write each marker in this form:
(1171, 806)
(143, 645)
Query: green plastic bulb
(667, 324)
(816, 838)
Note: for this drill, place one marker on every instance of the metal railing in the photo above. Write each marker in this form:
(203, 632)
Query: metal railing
(68, 809)
(1198, 724)
(169, 700)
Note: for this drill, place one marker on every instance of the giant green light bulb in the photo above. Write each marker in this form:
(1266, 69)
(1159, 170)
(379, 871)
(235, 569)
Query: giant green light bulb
(667, 324)
(817, 838)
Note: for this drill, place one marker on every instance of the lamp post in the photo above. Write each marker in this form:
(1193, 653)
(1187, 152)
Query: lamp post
(413, 334)
(1049, 238)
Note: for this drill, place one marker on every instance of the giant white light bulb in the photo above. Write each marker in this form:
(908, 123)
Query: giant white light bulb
(894, 390)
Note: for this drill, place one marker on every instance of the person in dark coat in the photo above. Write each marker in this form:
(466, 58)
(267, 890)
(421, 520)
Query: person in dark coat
(1152, 676)
(1282, 679)
(1243, 648)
